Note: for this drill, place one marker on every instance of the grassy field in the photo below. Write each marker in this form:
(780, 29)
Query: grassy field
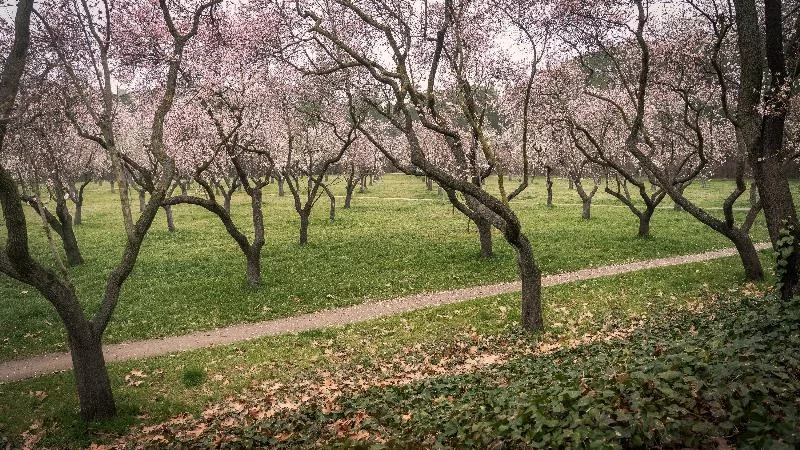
(397, 239)
(356, 356)
(384, 246)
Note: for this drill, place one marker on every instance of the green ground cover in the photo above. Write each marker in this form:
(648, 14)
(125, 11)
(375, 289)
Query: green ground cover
(192, 279)
(228, 391)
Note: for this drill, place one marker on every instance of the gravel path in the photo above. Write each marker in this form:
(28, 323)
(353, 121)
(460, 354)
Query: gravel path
(55, 362)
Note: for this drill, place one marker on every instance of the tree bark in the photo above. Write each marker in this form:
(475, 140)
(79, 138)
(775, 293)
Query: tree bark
(531, 285)
(304, 228)
(281, 191)
(70, 243)
(644, 225)
(349, 195)
(253, 272)
(748, 254)
(549, 183)
(77, 219)
(141, 199)
(226, 202)
(91, 376)
(170, 218)
(485, 234)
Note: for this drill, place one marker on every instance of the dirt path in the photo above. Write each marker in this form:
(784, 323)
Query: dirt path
(55, 362)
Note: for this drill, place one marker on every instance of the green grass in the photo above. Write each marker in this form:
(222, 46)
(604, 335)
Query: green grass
(152, 390)
(192, 279)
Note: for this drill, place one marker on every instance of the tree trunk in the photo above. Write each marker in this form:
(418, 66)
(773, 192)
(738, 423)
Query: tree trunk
(428, 183)
(349, 195)
(571, 184)
(531, 285)
(70, 243)
(111, 183)
(776, 198)
(549, 184)
(304, 228)
(644, 223)
(363, 187)
(184, 187)
(485, 234)
(748, 254)
(226, 203)
(67, 233)
(281, 191)
(141, 200)
(587, 208)
(253, 274)
(170, 219)
(91, 376)
(77, 219)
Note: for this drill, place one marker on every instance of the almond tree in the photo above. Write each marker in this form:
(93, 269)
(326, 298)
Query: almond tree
(407, 49)
(624, 35)
(757, 102)
(99, 21)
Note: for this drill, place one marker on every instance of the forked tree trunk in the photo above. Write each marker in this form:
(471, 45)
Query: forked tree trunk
(644, 222)
(91, 376)
(587, 209)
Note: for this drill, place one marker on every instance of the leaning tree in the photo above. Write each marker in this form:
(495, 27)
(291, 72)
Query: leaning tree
(413, 54)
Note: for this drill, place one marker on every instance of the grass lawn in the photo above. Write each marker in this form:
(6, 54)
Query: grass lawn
(192, 279)
(206, 389)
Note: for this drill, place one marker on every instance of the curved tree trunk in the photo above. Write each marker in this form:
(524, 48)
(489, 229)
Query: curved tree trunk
(70, 243)
(748, 254)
